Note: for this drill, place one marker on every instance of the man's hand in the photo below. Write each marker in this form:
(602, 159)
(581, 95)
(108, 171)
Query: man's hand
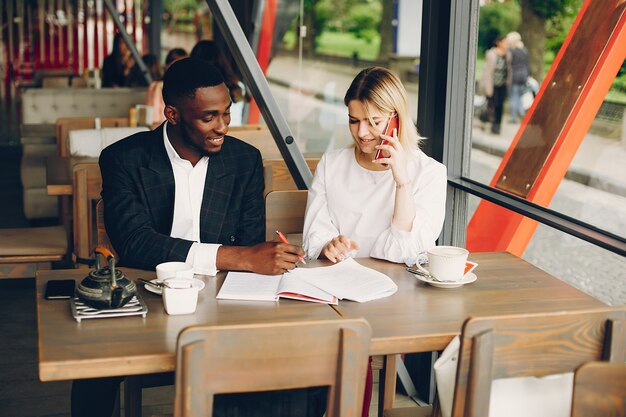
(339, 248)
(269, 258)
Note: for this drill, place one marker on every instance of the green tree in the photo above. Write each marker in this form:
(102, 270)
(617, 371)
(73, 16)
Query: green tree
(363, 20)
(537, 15)
(496, 19)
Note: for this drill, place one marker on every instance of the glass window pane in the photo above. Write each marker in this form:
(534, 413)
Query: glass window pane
(341, 39)
(594, 187)
(597, 272)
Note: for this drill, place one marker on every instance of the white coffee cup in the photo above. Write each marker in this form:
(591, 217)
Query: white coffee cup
(180, 296)
(447, 263)
(174, 270)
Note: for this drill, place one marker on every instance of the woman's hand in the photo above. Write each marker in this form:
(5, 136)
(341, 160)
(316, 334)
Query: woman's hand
(397, 159)
(339, 248)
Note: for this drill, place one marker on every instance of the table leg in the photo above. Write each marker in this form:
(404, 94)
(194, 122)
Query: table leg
(387, 384)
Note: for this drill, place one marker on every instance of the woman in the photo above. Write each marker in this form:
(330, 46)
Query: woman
(390, 208)
(154, 97)
(493, 80)
(119, 68)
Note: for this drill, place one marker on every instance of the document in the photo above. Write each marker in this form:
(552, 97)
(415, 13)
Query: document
(345, 280)
(257, 287)
(348, 280)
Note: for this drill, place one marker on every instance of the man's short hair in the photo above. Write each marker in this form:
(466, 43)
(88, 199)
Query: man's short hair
(185, 76)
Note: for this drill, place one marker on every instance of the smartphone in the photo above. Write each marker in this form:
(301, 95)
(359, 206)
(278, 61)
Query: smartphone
(391, 125)
(59, 289)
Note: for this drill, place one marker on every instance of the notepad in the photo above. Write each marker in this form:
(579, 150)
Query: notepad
(258, 287)
(345, 280)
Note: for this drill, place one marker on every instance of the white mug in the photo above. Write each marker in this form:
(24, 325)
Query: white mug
(447, 263)
(174, 270)
(180, 296)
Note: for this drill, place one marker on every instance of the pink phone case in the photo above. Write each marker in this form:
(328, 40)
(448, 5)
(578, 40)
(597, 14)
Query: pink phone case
(391, 125)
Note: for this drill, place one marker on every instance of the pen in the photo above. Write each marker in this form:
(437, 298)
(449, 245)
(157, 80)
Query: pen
(284, 240)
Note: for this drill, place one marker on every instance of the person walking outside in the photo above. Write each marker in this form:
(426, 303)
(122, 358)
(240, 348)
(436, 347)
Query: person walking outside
(519, 71)
(493, 80)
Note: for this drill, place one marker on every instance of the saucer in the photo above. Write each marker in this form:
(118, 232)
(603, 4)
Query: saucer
(199, 284)
(467, 279)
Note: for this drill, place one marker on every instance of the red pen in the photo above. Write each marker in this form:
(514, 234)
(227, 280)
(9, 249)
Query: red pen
(284, 240)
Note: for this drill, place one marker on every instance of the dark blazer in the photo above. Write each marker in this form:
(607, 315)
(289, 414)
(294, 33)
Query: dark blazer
(138, 193)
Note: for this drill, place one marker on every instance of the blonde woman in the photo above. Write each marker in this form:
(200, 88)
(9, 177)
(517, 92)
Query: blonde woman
(390, 208)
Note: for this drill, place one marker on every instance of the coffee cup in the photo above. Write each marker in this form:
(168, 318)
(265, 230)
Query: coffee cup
(447, 263)
(168, 270)
(180, 296)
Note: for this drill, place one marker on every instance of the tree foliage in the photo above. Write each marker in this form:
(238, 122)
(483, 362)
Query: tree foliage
(496, 19)
(549, 9)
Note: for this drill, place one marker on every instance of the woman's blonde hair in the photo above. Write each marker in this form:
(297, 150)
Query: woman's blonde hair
(377, 86)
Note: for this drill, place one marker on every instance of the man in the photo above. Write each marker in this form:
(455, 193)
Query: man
(184, 192)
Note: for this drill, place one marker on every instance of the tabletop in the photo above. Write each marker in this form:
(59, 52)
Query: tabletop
(416, 318)
(59, 173)
(421, 318)
(135, 345)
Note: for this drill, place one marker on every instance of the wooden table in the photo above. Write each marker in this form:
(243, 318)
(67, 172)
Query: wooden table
(418, 318)
(421, 318)
(59, 173)
(134, 345)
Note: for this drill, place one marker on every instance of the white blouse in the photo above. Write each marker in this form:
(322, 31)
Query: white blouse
(350, 200)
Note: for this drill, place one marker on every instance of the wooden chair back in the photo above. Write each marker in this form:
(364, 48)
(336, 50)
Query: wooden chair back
(275, 356)
(258, 136)
(66, 124)
(87, 187)
(532, 345)
(278, 177)
(600, 390)
(284, 211)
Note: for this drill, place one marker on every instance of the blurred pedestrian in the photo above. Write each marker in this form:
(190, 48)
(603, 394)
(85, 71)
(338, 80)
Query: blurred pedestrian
(493, 80)
(518, 73)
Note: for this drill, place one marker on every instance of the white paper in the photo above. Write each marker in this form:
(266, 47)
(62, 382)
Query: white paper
(291, 284)
(249, 286)
(348, 280)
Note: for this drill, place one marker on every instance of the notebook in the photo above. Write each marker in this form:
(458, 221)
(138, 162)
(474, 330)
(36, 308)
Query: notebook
(257, 287)
(345, 280)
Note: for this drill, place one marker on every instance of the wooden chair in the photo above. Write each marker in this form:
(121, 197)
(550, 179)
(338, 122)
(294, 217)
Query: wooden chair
(258, 136)
(268, 357)
(284, 211)
(528, 345)
(277, 176)
(87, 187)
(600, 390)
(66, 124)
(532, 345)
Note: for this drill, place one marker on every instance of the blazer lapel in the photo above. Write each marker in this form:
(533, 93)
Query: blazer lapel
(158, 184)
(218, 188)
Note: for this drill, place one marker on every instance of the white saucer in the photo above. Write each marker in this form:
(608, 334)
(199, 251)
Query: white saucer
(199, 284)
(467, 279)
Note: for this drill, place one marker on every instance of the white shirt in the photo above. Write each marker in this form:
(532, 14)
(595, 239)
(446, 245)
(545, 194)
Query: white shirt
(350, 200)
(189, 191)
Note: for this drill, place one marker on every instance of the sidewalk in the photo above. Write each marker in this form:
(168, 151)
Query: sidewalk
(599, 162)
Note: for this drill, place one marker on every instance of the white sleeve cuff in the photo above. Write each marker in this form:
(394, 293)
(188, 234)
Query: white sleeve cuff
(203, 258)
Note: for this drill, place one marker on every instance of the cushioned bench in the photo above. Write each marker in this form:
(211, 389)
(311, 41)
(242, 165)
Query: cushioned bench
(41, 107)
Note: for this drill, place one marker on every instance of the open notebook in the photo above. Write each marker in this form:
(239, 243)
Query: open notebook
(344, 280)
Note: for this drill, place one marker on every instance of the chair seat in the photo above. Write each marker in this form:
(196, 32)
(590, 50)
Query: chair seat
(44, 243)
(409, 412)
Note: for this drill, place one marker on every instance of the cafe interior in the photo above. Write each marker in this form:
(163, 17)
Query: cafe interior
(535, 321)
